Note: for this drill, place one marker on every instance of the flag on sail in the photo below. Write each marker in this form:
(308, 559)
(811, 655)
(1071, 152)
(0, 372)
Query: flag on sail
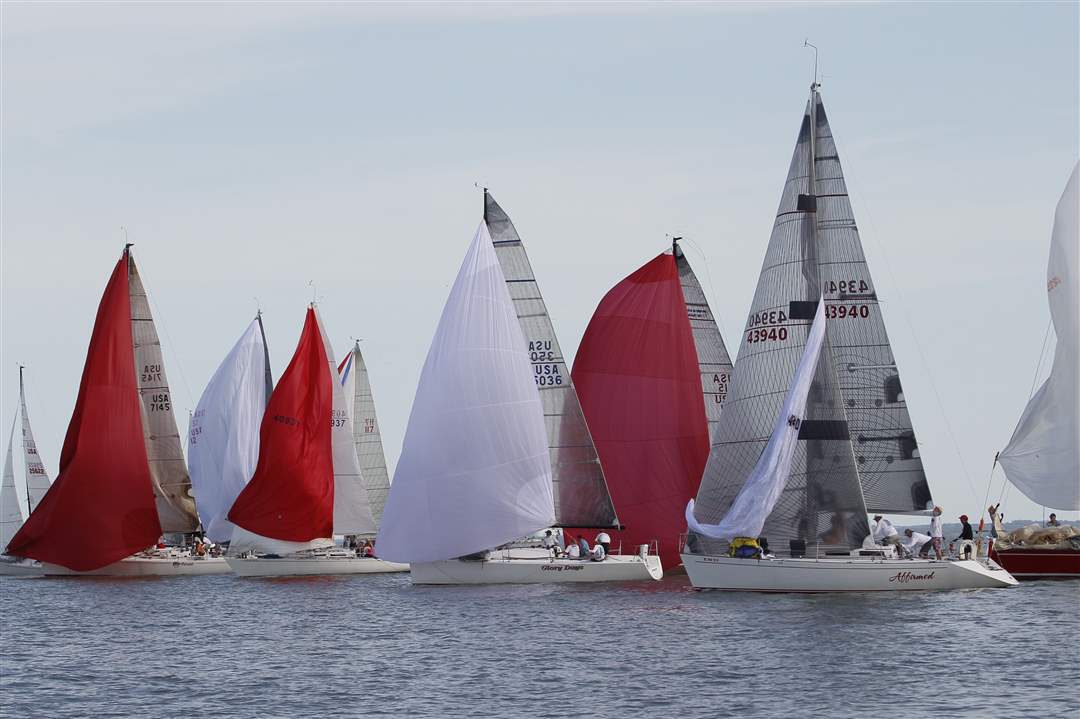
(366, 434)
(223, 440)
(288, 504)
(1043, 457)
(639, 382)
(762, 488)
(474, 471)
(102, 507)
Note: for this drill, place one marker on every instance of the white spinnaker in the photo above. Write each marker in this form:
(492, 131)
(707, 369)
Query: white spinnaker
(12, 514)
(1043, 456)
(475, 471)
(352, 510)
(762, 489)
(223, 441)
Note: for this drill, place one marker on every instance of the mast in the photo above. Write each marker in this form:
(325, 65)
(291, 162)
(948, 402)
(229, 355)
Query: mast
(269, 378)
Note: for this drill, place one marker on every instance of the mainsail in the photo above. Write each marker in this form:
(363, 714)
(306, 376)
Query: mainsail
(581, 494)
(11, 514)
(638, 377)
(101, 508)
(172, 486)
(856, 436)
(289, 503)
(25, 481)
(1042, 458)
(369, 449)
(223, 441)
(475, 470)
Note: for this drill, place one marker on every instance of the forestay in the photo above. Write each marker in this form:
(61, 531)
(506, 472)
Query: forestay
(223, 441)
(474, 471)
(366, 434)
(763, 487)
(581, 494)
(1042, 459)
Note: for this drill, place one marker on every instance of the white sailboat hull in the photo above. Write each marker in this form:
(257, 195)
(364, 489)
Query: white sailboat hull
(525, 567)
(311, 566)
(842, 574)
(18, 567)
(146, 567)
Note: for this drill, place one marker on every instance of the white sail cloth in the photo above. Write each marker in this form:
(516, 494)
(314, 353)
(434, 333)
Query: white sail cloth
(475, 470)
(11, 513)
(223, 440)
(1043, 457)
(762, 489)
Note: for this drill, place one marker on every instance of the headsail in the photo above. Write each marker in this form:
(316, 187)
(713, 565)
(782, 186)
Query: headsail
(822, 502)
(1042, 458)
(474, 470)
(639, 381)
(172, 486)
(12, 515)
(101, 508)
(581, 494)
(223, 441)
(36, 478)
(289, 503)
(366, 434)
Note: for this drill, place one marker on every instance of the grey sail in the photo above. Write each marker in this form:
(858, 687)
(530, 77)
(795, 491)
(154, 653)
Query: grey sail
(581, 493)
(713, 357)
(822, 503)
(172, 485)
(366, 434)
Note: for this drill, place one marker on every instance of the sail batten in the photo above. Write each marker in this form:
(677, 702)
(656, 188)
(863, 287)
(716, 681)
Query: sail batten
(582, 498)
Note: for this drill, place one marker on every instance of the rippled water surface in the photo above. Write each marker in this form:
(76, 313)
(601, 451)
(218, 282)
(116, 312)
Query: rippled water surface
(378, 646)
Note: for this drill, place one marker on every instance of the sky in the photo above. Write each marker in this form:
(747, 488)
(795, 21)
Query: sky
(262, 154)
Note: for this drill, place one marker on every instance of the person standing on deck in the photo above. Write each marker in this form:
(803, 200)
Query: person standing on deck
(936, 531)
(884, 531)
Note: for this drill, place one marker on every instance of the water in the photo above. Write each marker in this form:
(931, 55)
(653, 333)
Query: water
(378, 646)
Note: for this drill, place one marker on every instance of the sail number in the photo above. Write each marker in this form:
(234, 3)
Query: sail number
(720, 386)
(767, 334)
(151, 373)
(547, 375)
(369, 425)
(545, 366)
(286, 420)
(840, 312)
(338, 417)
(846, 287)
(160, 402)
(767, 317)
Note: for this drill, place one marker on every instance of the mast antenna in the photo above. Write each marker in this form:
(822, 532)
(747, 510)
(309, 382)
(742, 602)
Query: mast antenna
(314, 291)
(815, 83)
(127, 244)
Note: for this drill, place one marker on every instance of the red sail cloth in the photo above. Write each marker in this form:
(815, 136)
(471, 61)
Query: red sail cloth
(101, 507)
(638, 380)
(291, 495)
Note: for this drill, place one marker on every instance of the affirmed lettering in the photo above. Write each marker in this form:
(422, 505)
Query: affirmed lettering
(905, 577)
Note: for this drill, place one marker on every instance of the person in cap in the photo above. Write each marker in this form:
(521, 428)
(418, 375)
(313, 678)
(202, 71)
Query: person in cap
(604, 539)
(966, 532)
(936, 531)
(916, 543)
(549, 541)
(884, 531)
(1053, 521)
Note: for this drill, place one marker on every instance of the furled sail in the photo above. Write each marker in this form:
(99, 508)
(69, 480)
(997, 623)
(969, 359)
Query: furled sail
(1042, 459)
(172, 486)
(474, 471)
(288, 505)
(12, 515)
(101, 508)
(352, 510)
(714, 362)
(638, 377)
(223, 441)
(581, 494)
(367, 437)
(822, 502)
(763, 487)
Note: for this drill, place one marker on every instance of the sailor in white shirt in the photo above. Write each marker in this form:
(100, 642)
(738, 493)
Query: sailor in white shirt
(605, 540)
(549, 542)
(884, 531)
(936, 531)
(598, 554)
(916, 542)
(573, 551)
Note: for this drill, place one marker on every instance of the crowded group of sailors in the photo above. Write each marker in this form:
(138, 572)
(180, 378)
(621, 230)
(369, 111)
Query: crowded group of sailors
(912, 543)
(578, 547)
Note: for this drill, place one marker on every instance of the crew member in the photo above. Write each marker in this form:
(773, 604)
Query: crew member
(605, 540)
(917, 543)
(936, 531)
(884, 531)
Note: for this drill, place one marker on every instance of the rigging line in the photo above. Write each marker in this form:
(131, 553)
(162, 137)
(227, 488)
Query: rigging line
(1042, 357)
(911, 328)
(712, 286)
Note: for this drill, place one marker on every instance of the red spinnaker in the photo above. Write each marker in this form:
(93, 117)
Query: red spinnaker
(637, 377)
(101, 507)
(291, 495)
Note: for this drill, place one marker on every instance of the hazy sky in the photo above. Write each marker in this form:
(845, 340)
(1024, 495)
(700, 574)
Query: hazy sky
(251, 149)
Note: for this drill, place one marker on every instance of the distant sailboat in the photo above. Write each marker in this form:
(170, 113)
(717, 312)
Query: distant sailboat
(27, 473)
(307, 484)
(652, 373)
(475, 471)
(223, 438)
(367, 437)
(122, 479)
(1042, 458)
(805, 448)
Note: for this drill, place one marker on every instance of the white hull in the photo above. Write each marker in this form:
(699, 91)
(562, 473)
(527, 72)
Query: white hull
(20, 568)
(841, 574)
(537, 567)
(311, 566)
(146, 567)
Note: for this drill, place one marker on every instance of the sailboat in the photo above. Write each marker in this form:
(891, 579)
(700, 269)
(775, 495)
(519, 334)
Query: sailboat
(24, 483)
(1042, 458)
(307, 482)
(815, 431)
(122, 481)
(223, 437)
(478, 469)
(652, 373)
(355, 383)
